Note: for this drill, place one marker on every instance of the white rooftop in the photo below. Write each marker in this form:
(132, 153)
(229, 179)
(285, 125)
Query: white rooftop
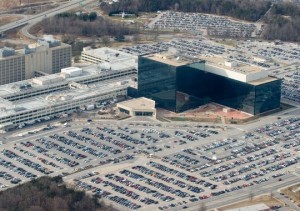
(108, 54)
(139, 103)
(8, 107)
(215, 64)
(59, 78)
(73, 78)
(169, 58)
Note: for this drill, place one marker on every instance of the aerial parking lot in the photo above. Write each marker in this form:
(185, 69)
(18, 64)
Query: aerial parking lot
(156, 166)
(291, 81)
(216, 25)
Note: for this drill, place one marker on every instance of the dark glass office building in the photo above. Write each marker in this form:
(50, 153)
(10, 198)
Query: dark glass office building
(157, 81)
(182, 87)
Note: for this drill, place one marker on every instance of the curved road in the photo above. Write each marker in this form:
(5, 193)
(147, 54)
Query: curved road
(39, 17)
(25, 31)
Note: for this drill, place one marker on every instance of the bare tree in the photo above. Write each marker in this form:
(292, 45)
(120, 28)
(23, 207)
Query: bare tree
(136, 38)
(106, 41)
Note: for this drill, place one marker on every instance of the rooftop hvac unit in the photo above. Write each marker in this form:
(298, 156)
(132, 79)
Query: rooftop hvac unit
(105, 66)
(5, 52)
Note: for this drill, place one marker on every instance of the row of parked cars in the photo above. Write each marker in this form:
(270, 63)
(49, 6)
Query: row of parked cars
(26, 162)
(97, 191)
(154, 183)
(101, 193)
(197, 21)
(142, 188)
(191, 47)
(236, 163)
(82, 147)
(123, 136)
(290, 89)
(180, 174)
(248, 161)
(93, 142)
(171, 180)
(280, 53)
(256, 169)
(129, 193)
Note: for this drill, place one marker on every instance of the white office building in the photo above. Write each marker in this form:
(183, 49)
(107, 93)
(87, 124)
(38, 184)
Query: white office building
(104, 55)
(52, 96)
(47, 56)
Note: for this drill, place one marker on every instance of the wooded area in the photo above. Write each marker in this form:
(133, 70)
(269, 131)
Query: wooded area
(46, 194)
(81, 16)
(283, 19)
(250, 10)
(81, 27)
(283, 23)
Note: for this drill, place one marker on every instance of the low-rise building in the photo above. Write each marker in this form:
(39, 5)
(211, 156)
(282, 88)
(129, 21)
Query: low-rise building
(104, 55)
(61, 94)
(138, 107)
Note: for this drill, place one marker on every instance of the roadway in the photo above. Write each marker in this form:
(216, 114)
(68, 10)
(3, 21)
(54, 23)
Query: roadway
(39, 17)
(234, 197)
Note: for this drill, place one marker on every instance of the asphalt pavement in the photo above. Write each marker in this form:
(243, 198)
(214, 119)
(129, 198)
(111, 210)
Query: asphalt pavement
(39, 17)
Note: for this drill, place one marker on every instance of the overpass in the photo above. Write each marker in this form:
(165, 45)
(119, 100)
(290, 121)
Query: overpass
(39, 17)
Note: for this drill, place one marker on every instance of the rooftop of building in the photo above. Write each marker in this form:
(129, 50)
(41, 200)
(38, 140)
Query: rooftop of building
(176, 59)
(62, 78)
(45, 100)
(108, 54)
(263, 80)
(112, 56)
(170, 59)
(71, 76)
(41, 45)
(139, 103)
(215, 64)
(231, 65)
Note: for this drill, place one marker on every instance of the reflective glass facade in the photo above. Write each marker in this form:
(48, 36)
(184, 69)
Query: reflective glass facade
(157, 81)
(179, 88)
(206, 87)
(267, 96)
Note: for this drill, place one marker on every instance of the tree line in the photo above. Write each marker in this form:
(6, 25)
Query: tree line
(283, 23)
(81, 16)
(46, 194)
(282, 20)
(250, 10)
(80, 27)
